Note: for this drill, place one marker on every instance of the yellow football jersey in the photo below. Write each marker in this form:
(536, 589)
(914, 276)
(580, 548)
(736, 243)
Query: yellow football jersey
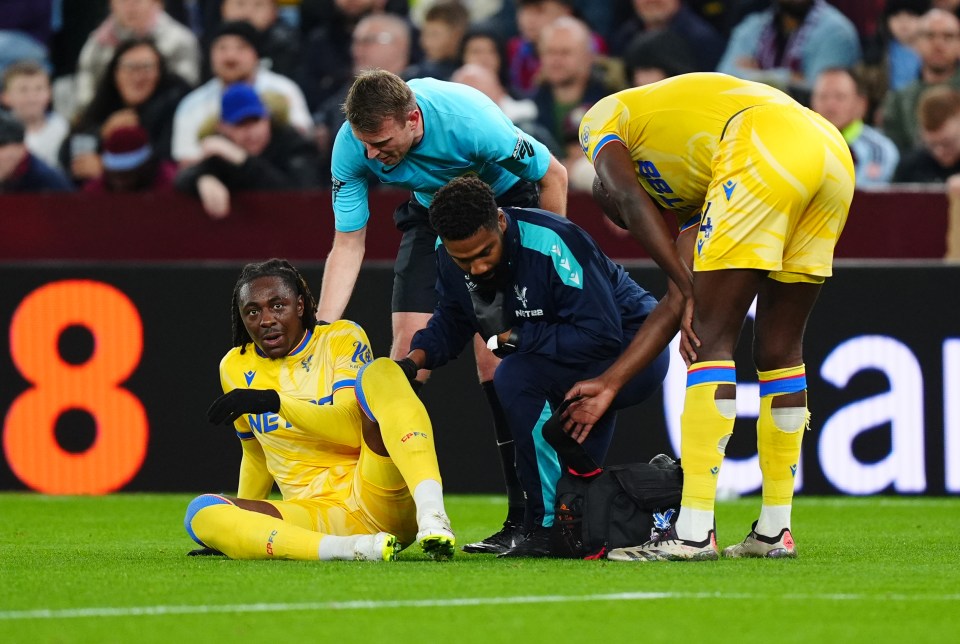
(306, 462)
(672, 129)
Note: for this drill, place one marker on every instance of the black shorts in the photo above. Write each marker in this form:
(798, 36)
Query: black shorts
(415, 271)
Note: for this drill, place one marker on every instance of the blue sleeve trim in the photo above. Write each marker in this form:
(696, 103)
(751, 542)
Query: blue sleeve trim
(607, 139)
(337, 386)
(711, 375)
(245, 436)
(361, 397)
(789, 385)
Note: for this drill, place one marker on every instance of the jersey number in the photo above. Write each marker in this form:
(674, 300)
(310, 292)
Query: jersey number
(57, 386)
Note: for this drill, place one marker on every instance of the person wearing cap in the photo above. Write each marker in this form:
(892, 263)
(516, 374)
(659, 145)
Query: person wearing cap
(233, 59)
(130, 164)
(251, 150)
(135, 19)
(21, 171)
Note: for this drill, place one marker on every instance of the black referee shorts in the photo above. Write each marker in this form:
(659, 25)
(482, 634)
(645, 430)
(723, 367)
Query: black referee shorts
(415, 271)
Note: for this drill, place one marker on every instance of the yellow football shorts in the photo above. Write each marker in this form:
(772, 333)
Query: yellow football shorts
(779, 196)
(378, 501)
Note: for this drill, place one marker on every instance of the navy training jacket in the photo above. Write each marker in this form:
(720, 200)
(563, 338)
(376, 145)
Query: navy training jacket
(568, 300)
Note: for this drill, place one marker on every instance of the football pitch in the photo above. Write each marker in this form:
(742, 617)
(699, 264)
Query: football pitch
(113, 569)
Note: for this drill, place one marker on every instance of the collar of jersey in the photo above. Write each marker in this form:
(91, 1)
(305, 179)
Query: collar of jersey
(299, 348)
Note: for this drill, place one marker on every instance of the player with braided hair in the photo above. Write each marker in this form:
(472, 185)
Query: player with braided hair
(343, 436)
(282, 269)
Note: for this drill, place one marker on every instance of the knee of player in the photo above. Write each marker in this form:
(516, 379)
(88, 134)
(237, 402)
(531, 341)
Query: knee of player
(512, 372)
(377, 381)
(373, 438)
(195, 506)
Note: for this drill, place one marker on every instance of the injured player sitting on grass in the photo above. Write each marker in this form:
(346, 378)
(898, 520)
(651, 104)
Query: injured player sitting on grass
(343, 436)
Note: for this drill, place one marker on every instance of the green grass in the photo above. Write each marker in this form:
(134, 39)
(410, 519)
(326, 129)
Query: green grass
(112, 569)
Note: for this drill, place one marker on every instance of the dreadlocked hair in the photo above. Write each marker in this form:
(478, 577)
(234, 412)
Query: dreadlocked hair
(462, 207)
(271, 268)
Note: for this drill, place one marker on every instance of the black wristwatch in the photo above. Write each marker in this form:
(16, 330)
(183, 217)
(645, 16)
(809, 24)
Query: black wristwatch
(503, 349)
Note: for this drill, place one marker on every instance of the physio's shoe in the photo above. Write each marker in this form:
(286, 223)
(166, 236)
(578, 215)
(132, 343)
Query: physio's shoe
(536, 543)
(757, 545)
(510, 535)
(382, 546)
(667, 546)
(436, 537)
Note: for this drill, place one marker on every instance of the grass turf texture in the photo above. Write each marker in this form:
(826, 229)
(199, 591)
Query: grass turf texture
(113, 569)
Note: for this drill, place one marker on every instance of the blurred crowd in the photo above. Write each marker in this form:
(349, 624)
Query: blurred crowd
(215, 96)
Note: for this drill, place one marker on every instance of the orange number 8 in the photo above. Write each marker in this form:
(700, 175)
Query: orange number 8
(29, 439)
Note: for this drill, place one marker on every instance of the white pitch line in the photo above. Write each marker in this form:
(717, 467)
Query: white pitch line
(140, 611)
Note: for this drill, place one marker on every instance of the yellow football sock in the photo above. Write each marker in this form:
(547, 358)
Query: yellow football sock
(242, 534)
(387, 398)
(705, 427)
(780, 433)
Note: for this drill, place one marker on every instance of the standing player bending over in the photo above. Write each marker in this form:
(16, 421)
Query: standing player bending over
(762, 187)
(343, 436)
